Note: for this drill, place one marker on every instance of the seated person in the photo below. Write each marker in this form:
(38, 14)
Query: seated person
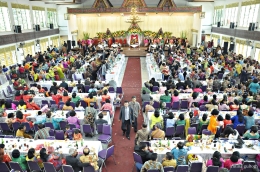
(143, 151)
(252, 133)
(32, 105)
(105, 96)
(68, 133)
(87, 158)
(107, 106)
(169, 161)
(22, 105)
(4, 157)
(67, 106)
(42, 133)
(16, 157)
(10, 120)
(21, 132)
(230, 133)
(216, 160)
(152, 164)
(234, 159)
(170, 122)
(77, 135)
(157, 132)
(100, 119)
(180, 154)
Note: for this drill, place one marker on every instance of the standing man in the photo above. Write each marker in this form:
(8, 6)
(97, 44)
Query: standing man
(136, 110)
(127, 117)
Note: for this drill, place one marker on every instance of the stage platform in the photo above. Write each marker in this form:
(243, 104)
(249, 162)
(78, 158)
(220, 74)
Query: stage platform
(135, 52)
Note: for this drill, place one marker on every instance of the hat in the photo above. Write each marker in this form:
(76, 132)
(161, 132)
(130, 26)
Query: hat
(71, 151)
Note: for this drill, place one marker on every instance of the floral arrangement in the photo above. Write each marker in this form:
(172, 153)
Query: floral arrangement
(167, 35)
(148, 33)
(101, 35)
(183, 34)
(134, 30)
(120, 33)
(85, 36)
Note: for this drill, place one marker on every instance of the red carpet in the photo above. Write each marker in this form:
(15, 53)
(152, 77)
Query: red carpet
(132, 84)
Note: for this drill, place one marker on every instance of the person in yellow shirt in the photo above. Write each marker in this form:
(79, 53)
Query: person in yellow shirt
(238, 67)
(169, 161)
(92, 159)
(21, 132)
(213, 124)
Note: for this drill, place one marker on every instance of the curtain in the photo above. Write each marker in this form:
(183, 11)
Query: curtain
(175, 24)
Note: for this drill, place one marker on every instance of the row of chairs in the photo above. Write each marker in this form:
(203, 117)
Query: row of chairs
(183, 105)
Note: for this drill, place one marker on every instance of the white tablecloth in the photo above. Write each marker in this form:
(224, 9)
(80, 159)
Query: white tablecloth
(156, 97)
(207, 150)
(116, 70)
(152, 68)
(57, 114)
(39, 97)
(78, 75)
(96, 146)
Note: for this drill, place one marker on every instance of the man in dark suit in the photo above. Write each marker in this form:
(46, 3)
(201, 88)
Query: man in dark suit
(155, 83)
(74, 162)
(88, 82)
(127, 117)
(64, 84)
(79, 85)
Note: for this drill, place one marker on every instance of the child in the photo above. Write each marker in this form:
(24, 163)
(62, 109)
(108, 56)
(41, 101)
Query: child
(227, 120)
(68, 133)
(220, 121)
(195, 108)
(77, 135)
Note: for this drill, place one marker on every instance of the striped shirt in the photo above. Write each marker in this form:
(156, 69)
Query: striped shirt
(42, 133)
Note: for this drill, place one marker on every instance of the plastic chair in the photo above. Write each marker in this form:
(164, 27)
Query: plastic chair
(192, 130)
(106, 153)
(59, 135)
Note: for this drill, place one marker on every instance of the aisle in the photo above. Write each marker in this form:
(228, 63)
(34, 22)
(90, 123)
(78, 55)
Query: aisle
(131, 85)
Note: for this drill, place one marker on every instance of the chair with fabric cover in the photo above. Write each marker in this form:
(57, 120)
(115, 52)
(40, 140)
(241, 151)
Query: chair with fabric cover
(204, 88)
(9, 89)
(7, 97)
(4, 167)
(87, 129)
(51, 132)
(156, 105)
(63, 125)
(99, 128)
(175, 106)
(203, 127)
(83, 103)
(230, 125)
(192, 130)
(111, 90)
(241, 129)
(203, 108)
(15, 166)
(105, 137)
(155, 88)
(5, 128)
(67, 168)
(212, 169)
(70, 89)
(72, 104)
(33, 166)
(144, 104)
(87, 87)
(28, 127)
(72, 126)
(182, 168)
(169, 132)
(8, 136)
(49, 167)
(153, 170)
(195, 125)
(16, 126)
(49, 124)
(106, 153)
(137, 158)
(168, 105)
(235, 168)
(206, 132)
(196, 167)
(59, 135)
(169, 169)
(184, 105)
(179, 130)
(89, 169)
(50, 138)
(220, 76)
(248, 166)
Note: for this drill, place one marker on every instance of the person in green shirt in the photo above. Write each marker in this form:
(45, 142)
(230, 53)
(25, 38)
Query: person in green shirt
(203, 121)
(16, 157)
(75, 98)
(181, 120)
(252, 133)
(165, 98)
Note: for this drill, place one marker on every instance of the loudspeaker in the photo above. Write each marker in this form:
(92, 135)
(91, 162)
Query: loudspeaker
(68, 45)
(218, 24)
(232, 25)
(37, 27)
(73, 43)
(51, 26)
(225, 48)
(251, 27)
(231, 47)
(17, 29)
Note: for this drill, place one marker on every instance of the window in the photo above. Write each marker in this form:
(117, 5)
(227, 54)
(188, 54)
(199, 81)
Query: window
(248, 14)
(242, 48)
(21, 14)
(257, 54)
(8, 56)
(55, 41)
(28, 48)
(39, 16)
(216, 40)
(43, 44)
(52, 17)
(4, 17)
(218, 16)
(231, 14)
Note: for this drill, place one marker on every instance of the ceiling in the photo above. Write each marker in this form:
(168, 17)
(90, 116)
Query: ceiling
(118, 3)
